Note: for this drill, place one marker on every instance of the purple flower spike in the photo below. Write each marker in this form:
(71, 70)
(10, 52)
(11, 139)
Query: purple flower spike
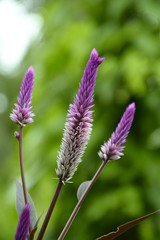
(22, 113)
(23, 224)
(79, 122)
(113, 149)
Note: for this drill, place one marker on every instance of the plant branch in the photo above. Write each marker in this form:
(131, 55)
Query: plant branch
(50, 210)
(22, 168)
(77, 207)
(21, 165)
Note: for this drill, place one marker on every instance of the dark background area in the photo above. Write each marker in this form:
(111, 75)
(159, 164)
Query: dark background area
(127, 34)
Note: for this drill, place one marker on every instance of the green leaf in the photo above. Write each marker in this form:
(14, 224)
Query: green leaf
(20, 203)
(35, 228)
(82, 189)
(125, 227)
(36, 224)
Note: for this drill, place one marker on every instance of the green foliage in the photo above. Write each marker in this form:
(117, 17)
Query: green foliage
(127, 34)
(20, 204)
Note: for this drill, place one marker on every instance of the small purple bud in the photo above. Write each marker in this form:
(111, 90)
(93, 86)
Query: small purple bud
(79, 122)
(23, 224)
(22, 113)
(16, 134)
(113, 149)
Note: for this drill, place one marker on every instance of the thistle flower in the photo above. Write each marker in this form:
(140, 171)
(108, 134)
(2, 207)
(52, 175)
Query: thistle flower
(79, 122)
(113, 149)
(23, 224)
(22, 113)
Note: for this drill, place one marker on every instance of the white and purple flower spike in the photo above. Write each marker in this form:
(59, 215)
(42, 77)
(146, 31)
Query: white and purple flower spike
(22, 113)
(23, 224)
(79, 122)
(113, 149)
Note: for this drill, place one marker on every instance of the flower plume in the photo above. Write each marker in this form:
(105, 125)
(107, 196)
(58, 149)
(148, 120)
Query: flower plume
(79, 122)
(23, 224)
(22, 113)
(113, 149)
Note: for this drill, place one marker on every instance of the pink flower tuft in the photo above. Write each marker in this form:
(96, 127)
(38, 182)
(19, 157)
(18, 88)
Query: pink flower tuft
(22, 113)
(79, 122)
(23, 224)
(113, 149)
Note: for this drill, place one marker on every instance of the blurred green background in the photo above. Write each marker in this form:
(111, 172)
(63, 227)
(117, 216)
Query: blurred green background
(127, 34)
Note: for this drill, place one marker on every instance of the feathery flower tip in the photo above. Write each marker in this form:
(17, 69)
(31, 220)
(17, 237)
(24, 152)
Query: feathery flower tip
(22, 113)
(94, 57)
(113, 149)
(23, 224)
(79, 122)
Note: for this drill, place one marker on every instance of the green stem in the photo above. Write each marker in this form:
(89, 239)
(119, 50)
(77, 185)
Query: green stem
(77, 207)
(50, 210)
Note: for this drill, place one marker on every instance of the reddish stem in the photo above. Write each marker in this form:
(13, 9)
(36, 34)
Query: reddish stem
(21, 165)
(50, 210)
(22, 169)
(77, 207)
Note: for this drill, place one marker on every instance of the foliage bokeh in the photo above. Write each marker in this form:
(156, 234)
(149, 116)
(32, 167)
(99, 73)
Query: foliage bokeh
(126, 33)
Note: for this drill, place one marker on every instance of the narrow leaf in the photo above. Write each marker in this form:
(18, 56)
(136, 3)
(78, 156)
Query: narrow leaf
(36, 224)
(125, 227)
(82, 189)
(20, 203)
(35, 228)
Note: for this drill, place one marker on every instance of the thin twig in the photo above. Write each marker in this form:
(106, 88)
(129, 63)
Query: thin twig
(22, 169)
(21, 165)
(50, 210)
(77, 207)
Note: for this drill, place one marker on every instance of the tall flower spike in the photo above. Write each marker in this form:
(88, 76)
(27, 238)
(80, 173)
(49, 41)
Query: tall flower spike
(79, 122)
(113, 149)
(23, 224)
(22, 113)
